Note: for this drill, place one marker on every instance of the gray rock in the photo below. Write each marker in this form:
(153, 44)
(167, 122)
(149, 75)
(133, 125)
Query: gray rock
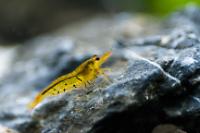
(186, 63)
(137, 85)
(180, 58)
(155, 80)
(167, 128)
(6, 130)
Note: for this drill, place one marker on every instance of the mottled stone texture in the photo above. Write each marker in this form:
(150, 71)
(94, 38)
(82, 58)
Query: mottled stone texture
(155, 84)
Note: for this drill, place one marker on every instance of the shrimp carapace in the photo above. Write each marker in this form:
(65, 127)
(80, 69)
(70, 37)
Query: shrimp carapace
(82, 76)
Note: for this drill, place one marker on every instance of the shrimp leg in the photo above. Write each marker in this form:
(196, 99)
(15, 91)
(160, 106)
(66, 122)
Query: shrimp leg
(102, 72)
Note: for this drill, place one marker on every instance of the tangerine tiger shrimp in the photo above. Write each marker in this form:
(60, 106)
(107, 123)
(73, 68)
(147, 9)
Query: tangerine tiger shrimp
(81, 77)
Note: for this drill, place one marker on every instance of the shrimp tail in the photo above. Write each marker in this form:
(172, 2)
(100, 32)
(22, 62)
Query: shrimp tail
(37, 100)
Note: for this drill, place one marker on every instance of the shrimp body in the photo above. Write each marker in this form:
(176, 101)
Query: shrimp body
(79, 78)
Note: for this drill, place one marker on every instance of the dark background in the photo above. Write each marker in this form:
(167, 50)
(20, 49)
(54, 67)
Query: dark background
(23, 19)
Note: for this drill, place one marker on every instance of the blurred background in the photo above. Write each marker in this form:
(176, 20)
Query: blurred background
(43, 39)
(22, 19)
(83, 27)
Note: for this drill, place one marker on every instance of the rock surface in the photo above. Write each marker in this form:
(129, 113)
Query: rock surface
(167, 128)
(6, 130)
(155, 81)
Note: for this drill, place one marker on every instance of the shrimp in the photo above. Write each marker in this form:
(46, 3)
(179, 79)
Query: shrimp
(81, 77)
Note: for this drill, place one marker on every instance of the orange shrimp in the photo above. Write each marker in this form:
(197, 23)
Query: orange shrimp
(80, 77)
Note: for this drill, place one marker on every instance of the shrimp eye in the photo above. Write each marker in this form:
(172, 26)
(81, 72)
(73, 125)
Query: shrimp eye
(97, 58)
